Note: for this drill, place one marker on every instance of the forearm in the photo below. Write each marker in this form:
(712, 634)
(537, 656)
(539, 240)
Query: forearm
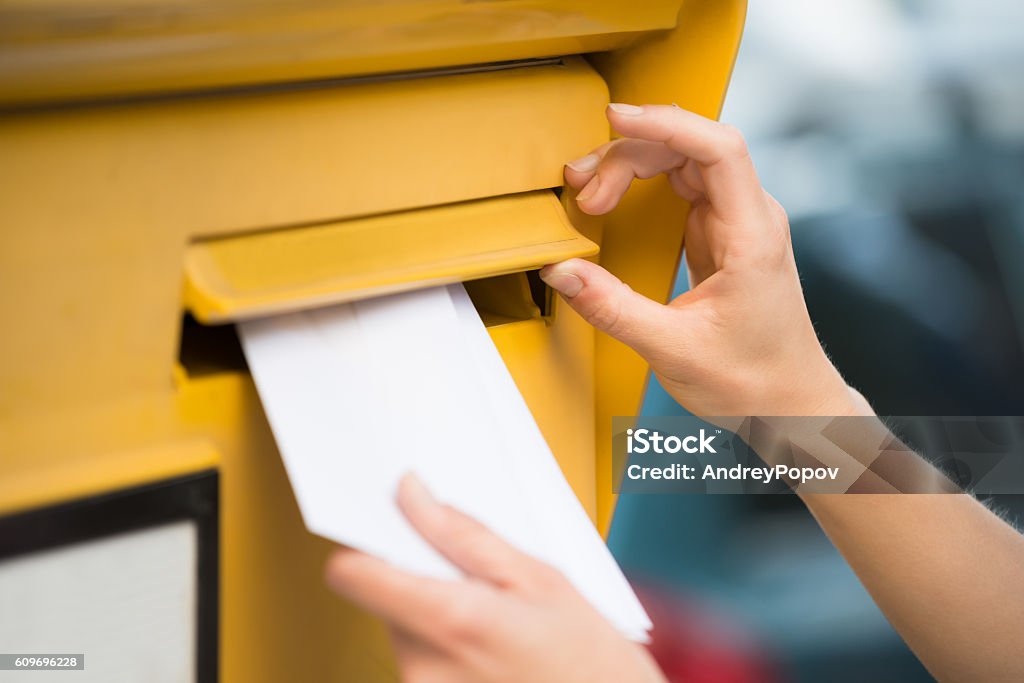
(939, 564)
(945, 571)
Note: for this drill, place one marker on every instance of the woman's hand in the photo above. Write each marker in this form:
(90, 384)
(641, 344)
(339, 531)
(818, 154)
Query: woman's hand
(740, 342)
(512, 619)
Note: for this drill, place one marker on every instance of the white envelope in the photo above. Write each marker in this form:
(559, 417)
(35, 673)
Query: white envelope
(361, 393)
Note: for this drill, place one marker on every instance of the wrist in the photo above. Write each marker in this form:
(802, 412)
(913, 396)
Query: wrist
(823, 393)
(843, 401)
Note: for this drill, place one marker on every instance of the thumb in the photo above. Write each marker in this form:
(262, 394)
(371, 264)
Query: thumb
(607, 303)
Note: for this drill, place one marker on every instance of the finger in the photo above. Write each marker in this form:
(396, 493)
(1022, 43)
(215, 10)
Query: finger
(421, 661)
(681, 188)
(467, 543)
(612, 307)
(410, 651)
(728, 173)
(692, 177)
(625, 160)
(410, 602)
(578, 172)
(699, 258)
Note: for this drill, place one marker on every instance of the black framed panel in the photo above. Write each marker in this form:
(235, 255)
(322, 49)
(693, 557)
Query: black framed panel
(193, 498)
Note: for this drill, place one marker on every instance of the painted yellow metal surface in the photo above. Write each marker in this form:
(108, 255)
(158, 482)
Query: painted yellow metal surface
(28, 483)
(54, 49)
(101, 205)
(643, 236)
(245, 276)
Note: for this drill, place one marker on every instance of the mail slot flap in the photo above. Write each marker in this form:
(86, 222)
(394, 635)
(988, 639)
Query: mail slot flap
(248, 276)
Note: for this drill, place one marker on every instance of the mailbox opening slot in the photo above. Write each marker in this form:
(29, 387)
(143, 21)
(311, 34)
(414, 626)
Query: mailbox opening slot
(211, 349)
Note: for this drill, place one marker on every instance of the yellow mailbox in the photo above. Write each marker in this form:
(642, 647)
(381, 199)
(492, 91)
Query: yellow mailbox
(169, 167)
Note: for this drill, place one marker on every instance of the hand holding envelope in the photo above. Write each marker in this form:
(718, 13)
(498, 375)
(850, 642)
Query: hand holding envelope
(508, 622)
(359, 394)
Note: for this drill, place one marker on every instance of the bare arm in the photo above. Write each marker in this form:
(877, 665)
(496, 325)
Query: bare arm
(946, 571)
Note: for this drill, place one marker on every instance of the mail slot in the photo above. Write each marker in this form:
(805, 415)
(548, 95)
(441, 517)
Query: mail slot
(169, 171)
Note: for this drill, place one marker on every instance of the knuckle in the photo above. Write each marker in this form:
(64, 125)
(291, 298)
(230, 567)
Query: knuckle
(344, 571)
(607, 312)
(547, 579)
(605, 316)
(732, 142)
(777, 209)
(462, 619)
(776, 254)
(615, 147)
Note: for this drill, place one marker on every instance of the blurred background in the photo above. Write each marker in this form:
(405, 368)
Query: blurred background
(893, 133)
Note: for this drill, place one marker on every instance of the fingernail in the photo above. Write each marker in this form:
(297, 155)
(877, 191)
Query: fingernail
(566, 284)
(626, 109)
(584, 164)
(415, 491)
(589, 190)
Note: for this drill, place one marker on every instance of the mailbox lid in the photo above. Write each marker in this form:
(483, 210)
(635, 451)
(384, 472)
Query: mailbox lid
(247, 276)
